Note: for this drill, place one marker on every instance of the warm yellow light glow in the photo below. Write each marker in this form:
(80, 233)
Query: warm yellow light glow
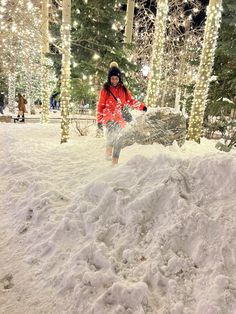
(157, 53)
(44, 63)
(96, 56)
(19, 45)
(207, 59)
(65, 77)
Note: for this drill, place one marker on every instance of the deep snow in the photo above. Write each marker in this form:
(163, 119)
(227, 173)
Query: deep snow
(157, 234)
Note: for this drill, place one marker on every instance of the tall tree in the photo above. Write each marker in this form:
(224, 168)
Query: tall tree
(184, 35)
(44, 63)
(11, 91)
(205, 69)
(224, 85)
(20, 48)
(129, 20)
(157, 52)
(97, 39)
(65, 77)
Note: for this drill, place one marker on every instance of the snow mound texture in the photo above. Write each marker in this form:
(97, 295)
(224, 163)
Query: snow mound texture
(152, 236)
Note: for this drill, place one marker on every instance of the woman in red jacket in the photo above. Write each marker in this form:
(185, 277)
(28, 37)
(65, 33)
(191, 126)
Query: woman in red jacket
(113, 97)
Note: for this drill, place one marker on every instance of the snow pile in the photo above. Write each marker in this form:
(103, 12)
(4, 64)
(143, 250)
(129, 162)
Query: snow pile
(155, 239)
(154, 235)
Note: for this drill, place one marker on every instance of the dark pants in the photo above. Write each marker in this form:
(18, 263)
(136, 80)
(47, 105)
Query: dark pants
(1, 109)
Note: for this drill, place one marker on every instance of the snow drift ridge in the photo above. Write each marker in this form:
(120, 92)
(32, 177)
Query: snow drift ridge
(151, 236)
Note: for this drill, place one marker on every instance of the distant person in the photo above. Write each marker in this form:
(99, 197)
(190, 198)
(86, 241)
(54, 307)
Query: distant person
(21, 108)
(110, 109)
(58, 104)
(2, 104)
(52, 100)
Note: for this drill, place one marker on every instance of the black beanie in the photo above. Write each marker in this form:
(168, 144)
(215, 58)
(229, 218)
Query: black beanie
(114, 71)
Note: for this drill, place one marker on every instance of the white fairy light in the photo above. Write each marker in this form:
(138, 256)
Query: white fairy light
(157, 54)
(96, 56)
(204, 73)
(66, 63)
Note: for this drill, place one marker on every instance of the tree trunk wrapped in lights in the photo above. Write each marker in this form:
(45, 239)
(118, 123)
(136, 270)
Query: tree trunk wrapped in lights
(21, 47)
(205, 69)
(11, 92)
(157, 52)
(129, 21)
(65, 77)
(44, 63)
(29, 91)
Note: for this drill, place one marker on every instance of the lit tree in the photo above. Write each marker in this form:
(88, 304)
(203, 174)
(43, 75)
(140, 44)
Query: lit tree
(224, 85)
(97, 40)
(129, 21)
(157, 53)
(8, 50)
(11, 91)
(44, 63)
(65, 77)
(183, 37)
(20, 47)
(205, 69)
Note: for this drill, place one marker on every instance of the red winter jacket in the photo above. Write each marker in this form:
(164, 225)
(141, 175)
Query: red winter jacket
(109, 110)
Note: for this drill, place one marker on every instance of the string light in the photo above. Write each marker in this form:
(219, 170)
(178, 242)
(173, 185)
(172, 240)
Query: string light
(204, 73)
(44, 63)
(96, 56)
(65, 77)
(182, 39)
(157, 53)
(129, 18)
(11, 91)
(19, 44)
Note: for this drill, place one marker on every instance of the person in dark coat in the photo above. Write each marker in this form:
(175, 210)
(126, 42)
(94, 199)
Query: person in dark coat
(2, 105)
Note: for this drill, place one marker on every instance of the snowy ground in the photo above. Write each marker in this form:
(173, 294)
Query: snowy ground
(157, 234)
